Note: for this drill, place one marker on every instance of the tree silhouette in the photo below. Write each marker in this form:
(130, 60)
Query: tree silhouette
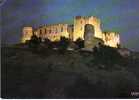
(106, 55)
(48, 43)
(63, 43)
(80, 43)
(34, 41)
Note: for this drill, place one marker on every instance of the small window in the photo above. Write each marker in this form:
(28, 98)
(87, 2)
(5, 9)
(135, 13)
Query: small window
(26, 33)
(40, 31)
(81, 21)
(45, 31)
(56, 30)
(49, 31)
(62, 29)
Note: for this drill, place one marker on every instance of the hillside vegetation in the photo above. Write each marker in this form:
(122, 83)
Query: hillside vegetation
(48, 73)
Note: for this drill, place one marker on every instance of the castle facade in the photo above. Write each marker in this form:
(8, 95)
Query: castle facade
(73, 32)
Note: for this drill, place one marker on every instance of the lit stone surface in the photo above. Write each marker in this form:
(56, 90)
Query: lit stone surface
(27, 33)
(79, 24)
(111, 39)
(88, 36)
(74, 31)
(53, 32)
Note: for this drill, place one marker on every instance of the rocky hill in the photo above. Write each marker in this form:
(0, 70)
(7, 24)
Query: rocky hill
(47, 73)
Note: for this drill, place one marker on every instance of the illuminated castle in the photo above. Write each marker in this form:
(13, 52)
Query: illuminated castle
(73, 32)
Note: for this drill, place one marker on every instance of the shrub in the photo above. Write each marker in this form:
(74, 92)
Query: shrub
(34, 41)
(107, 55)
(80, 43)
(63, 44)
(48, 43)
(103, 84)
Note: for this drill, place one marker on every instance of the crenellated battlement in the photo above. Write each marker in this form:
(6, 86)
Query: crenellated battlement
(75, 31)
(111, 39)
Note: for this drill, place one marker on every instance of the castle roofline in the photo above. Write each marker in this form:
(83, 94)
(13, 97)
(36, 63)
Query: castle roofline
(109, 32)
(56, 24)
(77, 17)
(52, 25)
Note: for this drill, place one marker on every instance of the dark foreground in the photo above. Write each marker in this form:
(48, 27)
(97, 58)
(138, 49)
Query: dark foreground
(50, 74)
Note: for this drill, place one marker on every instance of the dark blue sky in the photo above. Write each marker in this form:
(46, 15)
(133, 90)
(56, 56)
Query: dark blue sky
(116, 15)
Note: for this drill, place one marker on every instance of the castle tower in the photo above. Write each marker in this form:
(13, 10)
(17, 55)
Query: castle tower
(97, 26)
(79, 24)
(88, 36)
(26, 34)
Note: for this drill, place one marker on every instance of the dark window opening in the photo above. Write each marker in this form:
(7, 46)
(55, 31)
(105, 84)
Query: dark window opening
(62, 29)
(49, 31)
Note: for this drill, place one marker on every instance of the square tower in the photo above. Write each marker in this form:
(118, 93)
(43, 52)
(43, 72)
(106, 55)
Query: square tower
(79, 24)
(26, 34)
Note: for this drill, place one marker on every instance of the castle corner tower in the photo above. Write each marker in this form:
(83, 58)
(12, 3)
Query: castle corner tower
(27, 32)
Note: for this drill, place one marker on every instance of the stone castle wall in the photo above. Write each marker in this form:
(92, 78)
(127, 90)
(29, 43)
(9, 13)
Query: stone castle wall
(79, 25)
(111, 39)
(73, 32)
(53, 32)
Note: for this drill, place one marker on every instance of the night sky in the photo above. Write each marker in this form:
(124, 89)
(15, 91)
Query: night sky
(116, 15)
